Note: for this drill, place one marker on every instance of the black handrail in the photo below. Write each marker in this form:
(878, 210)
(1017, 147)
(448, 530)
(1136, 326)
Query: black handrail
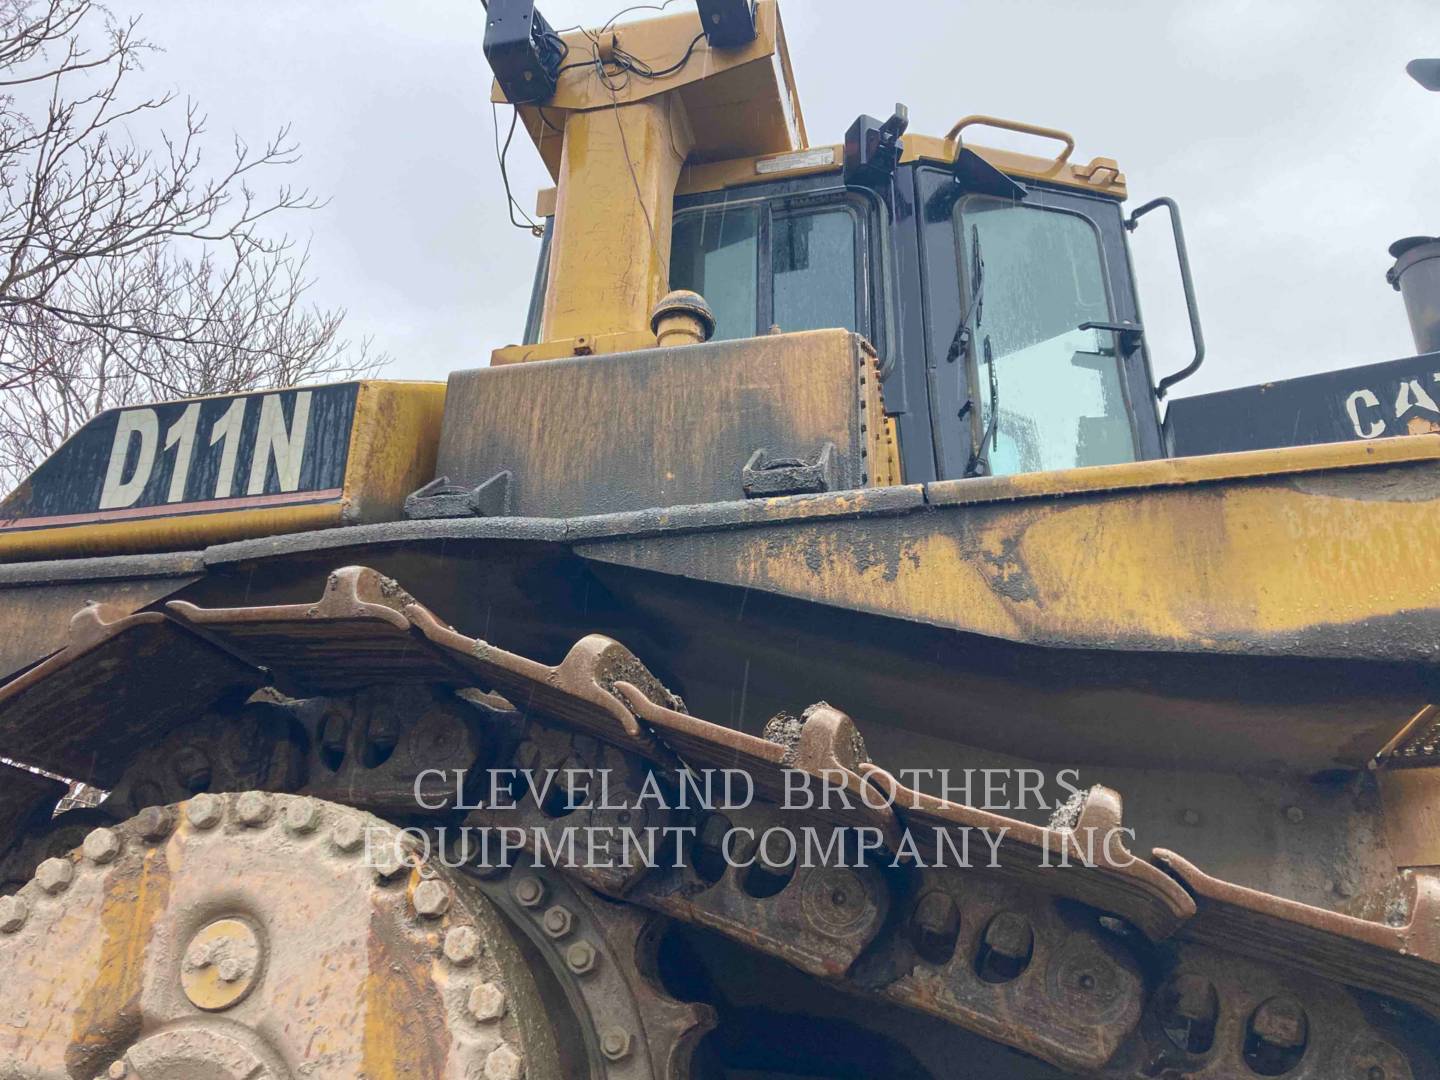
(1186, 283)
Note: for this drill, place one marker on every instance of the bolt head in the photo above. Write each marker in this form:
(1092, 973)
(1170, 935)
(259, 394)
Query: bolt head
(1194, 997)
(230, 970)
(487, 1002)
(101, 846)
(205, 811)
(348, 834)
(462, 945)
(390, 861)
(615, 1044)
(301, 816)
(1294, 815)
(558, 921)
(154, 823)
(529, 891)
(1281, 1022)
(1009, 934)
(253, 808)
(1190, 816)
(503, 1064)
(53, 875)
(580, 957)
(431, 899)
(13, 913)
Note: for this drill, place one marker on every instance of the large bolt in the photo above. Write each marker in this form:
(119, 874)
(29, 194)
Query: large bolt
(101, 846)
(529, 891)
(503, 1064)
(53, 875)
(301, 816)
(558, 921)
(487, 1002)
(615, 1044)
(154, 823)
(390, 861)
(935, 926)
(252, 809)
(431, 899)
(1008, 944)
(580, 957)
(1189, 1010)
(1281, 1022)
(462, 945)
(1010, 936)
(13, 913)
(205, 811)
(348, 834)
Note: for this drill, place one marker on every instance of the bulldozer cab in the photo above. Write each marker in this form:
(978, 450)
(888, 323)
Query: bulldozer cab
(1023, 352)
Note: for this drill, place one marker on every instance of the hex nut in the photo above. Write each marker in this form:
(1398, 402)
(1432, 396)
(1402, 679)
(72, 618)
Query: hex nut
(615, 1044)
(487, 1002)
(1281, 1021)
(462, 945)
(431, 899)
(503, 1064)
(154, 823)
(253, 809)
(348, 834)
(528, 891)
(580, 957)
(205, 811)
(13, 913)
(1009, 934)
(53, 875)
(301, 816)
(1294, 815)
(390, 861)
(558, 921)
(101, 846)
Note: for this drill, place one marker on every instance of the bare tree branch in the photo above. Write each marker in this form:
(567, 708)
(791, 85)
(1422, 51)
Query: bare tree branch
(130, 273)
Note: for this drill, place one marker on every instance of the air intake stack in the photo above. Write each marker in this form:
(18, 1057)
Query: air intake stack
(1416, 276)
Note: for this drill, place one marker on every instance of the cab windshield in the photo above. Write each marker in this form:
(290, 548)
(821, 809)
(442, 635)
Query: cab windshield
(1051, 395)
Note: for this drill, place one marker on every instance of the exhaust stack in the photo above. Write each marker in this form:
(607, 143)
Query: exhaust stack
(1416, 277)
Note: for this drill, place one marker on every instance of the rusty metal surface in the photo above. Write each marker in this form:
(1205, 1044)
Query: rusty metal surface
(1086, 954)
(601, 955)
(1399, 957)
(120, 682)
(258, 937)
(33, 619)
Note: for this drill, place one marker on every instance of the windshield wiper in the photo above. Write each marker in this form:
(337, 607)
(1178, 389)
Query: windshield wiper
(965, 332)
(979, 463)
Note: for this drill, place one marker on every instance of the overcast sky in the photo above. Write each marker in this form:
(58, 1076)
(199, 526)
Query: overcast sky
(1287, 129)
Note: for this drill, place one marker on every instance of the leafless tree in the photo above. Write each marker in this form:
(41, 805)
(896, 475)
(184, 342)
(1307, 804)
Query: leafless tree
(132, 272)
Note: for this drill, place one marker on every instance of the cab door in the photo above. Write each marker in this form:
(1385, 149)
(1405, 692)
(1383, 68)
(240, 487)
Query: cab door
(1037, 362)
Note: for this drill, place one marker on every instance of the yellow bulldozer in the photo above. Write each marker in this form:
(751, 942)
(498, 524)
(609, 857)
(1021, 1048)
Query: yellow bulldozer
(740, 677)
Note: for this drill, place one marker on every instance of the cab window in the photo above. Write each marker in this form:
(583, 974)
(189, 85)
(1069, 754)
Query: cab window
(768, 263)
(1051, 394)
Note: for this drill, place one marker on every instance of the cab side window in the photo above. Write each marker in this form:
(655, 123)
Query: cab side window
(767, 263)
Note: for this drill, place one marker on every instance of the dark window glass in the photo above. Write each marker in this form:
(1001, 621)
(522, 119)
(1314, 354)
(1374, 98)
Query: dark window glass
(715, 253)
(812, 257)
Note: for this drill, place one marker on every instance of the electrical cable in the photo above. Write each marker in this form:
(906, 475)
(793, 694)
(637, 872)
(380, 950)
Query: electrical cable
(529, 224)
